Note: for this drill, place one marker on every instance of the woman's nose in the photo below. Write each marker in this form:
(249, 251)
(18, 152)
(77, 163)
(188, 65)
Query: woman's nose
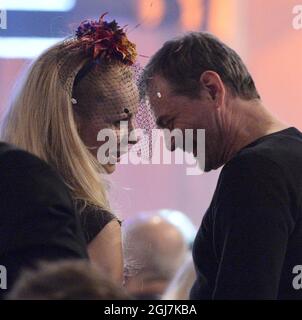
(133, 138)
(131, 125)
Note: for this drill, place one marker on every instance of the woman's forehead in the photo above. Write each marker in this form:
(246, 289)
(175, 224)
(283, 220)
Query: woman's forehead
(114, 90)
(114, 103)
(120, 95)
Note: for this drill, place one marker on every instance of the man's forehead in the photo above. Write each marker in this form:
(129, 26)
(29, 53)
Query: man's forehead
(159, 94)
(158, 87)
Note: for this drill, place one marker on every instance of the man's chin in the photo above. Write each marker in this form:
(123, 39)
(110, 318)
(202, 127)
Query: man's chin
(207, 166)
(207, 169)
(212, 166)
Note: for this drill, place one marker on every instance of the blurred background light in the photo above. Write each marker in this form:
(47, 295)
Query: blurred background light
(25, 48)
(151, 13)
(37, 5)
(191, 14)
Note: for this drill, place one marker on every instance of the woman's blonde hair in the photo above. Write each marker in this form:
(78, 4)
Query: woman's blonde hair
(41, 120)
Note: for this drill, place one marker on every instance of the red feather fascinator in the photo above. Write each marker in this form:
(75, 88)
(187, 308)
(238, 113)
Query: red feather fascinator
(106, 40)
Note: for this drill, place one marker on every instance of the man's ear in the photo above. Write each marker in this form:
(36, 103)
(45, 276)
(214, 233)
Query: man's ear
(212, 83)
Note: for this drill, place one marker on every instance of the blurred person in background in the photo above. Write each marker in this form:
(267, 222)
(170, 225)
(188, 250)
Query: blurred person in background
(66, 280)
(249, 242)
(154, 249)
(180, 286)
(72, 91)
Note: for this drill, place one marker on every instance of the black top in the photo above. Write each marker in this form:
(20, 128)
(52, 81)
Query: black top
(250, 238)
(37, 218)
(93, 219)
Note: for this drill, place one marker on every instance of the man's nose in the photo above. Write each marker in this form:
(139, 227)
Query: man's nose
(171, 144)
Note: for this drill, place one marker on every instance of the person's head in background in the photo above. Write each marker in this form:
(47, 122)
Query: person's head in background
(154, 249)
(71, 92)
(65, 280)
(198, 82)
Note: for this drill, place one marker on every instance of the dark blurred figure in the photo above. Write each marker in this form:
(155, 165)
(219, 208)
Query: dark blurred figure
(66, 280)
(154, 249)
(37, 217)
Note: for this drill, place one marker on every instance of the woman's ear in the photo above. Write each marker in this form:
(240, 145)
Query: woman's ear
(212, 83)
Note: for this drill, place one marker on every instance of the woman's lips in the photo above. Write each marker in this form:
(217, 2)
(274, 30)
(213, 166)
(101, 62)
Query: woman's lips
(116, 156)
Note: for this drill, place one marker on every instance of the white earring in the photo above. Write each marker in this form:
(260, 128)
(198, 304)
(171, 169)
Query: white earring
(74, 101)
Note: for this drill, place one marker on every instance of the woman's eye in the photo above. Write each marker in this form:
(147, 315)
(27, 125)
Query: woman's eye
(117, 123)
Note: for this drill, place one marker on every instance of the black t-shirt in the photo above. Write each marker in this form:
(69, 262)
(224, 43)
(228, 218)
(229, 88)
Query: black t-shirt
(250, 238)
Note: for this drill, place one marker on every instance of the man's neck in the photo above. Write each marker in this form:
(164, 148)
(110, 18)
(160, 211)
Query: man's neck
(250, 120)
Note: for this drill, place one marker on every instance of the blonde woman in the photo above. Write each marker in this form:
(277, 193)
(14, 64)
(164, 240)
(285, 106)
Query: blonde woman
(72, 91)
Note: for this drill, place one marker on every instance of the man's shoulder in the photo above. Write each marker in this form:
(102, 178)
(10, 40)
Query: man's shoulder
(277, 152)
(250, 161)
